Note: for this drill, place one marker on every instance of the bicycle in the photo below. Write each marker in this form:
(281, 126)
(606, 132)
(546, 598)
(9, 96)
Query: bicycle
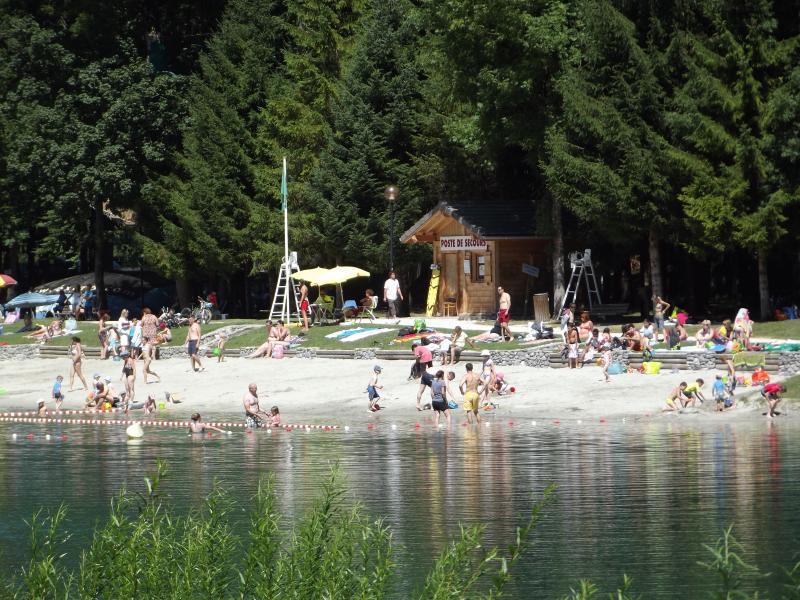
(202, 313)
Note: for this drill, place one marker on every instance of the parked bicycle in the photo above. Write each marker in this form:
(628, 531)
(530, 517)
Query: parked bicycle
(202, 313)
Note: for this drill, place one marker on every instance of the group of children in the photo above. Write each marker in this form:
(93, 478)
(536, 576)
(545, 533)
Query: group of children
(685, 395)
(474, 388)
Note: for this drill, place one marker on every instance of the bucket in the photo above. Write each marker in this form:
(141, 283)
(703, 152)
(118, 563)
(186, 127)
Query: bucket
(652, 367)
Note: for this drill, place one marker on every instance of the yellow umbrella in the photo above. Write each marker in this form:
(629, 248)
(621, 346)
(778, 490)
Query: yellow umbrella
(315, 276)
(342, 274)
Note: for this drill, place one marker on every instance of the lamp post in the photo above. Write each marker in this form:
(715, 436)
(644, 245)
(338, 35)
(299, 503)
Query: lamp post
(391, 193)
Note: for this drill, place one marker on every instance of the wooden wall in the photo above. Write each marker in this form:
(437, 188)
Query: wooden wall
(504, 260)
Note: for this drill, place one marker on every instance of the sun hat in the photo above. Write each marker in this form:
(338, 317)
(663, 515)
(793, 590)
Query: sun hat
(96, 376)
(377, 368)
(107, 379)
(485, 353)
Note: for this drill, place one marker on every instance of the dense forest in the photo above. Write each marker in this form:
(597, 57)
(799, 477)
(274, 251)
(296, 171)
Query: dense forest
(151, 132)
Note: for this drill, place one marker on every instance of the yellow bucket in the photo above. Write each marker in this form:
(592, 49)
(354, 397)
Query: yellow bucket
(652, 367)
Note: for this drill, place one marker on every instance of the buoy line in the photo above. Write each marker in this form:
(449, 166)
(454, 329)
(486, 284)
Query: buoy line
(23, 418)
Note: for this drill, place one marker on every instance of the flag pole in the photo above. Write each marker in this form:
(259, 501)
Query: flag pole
(285, 195)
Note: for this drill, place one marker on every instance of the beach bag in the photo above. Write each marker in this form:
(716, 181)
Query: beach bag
(277, 352)
(419, 325)
(616, 369)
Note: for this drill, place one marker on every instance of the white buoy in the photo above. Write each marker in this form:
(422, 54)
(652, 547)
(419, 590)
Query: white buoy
(579, 421)
(347, 427)
(533, 423)
(488, 424)
(394, 426)
(13, 436)
(135, 431)
(47, 437)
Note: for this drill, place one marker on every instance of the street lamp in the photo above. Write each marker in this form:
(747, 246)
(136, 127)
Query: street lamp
(391, 193)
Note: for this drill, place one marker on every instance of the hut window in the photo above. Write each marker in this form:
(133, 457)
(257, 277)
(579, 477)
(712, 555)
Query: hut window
(478, 268)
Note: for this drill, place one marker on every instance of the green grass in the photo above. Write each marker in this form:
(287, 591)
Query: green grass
(88, 333)
(792, 388)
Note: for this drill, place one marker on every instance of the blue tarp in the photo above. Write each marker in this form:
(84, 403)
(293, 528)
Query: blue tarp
(30, 300)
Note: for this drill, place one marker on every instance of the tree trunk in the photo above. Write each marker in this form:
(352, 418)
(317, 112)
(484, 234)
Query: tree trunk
(558, 257)
(656, 283)
(763, 283)
(99, 256)
(182, 289)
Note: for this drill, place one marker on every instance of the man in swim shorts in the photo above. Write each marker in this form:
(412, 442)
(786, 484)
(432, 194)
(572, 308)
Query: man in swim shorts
(193, 343)
(469, 388)
(253, 415)
(504, 306)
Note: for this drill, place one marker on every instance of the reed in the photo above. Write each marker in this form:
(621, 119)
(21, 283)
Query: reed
(335, 551)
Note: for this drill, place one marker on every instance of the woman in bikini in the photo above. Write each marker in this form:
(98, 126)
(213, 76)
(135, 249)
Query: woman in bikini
(76, 358)
(129, 375)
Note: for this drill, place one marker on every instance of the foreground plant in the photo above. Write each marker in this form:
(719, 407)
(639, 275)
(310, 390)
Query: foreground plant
(335, 551)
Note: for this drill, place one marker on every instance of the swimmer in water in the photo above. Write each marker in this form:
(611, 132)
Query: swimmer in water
(197, 426)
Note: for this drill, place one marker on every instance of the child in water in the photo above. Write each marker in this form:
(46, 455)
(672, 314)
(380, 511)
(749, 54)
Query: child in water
(372, 389)
(57, 395)
(41, 409)
(197, 426)
(274, 417)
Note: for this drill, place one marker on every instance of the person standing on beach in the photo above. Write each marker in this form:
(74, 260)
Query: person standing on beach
(660, 307)
(469, 388)
(192, 344)
(372, 389)
(503, 313)
(76, 358)
(304, 305)
(392, 294)
(148, 354)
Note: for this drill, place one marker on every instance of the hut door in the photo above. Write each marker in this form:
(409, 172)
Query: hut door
(451, 266)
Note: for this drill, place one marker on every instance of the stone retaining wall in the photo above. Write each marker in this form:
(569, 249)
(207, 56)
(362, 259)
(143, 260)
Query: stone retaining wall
(697, 361)
(536, 358)
(789, 363)
(20, 352)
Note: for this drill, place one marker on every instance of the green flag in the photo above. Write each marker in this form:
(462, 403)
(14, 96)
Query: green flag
(284, 187)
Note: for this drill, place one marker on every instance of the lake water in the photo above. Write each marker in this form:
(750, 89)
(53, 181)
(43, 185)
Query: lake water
(636, 498)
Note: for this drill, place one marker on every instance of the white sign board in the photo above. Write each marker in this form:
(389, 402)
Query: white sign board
(458, 243)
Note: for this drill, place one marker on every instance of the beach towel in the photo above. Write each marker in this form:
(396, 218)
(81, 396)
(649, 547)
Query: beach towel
(750, 359)
(364, 334)
(345, 332)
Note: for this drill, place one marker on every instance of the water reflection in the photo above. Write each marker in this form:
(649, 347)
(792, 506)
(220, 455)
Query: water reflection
(639, 499)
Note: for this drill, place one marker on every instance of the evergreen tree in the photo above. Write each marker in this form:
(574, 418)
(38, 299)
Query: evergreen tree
(213, 210)
(731, 110)
(609, 160)
(375, 119)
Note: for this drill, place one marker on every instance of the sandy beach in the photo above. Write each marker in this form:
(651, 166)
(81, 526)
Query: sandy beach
(332, 391)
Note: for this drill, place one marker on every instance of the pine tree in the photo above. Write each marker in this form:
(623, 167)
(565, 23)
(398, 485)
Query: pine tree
(372, 142)
(730, 115)
(609, 159)
(213, 210)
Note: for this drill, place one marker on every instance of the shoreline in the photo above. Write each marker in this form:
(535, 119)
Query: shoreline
(333, 391)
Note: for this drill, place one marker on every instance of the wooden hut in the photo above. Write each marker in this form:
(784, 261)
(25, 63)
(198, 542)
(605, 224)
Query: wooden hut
(478, 246)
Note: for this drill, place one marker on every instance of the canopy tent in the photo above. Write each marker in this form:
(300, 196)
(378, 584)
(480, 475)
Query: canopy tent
(31, 300)
(113, 282)
(7, 280)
